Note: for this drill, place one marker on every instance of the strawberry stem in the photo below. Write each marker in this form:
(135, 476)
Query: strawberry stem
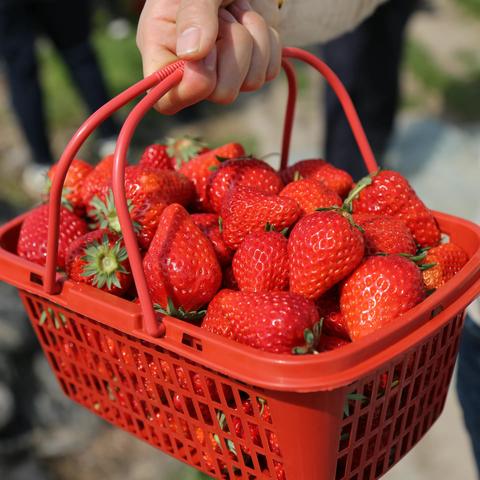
(361, 185)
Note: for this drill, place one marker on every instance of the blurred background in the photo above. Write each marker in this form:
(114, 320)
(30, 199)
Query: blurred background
(436, 144)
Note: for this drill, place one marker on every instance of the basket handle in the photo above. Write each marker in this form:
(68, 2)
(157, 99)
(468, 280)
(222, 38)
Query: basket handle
(153, 324)
(160, 83)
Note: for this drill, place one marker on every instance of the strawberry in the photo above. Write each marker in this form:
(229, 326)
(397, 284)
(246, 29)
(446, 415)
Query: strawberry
(100, 259)
(246, 172)
(310, 195)
(216, 320)
(143, 183)
(447, 260)
(385, 234)
(72, 187)
(379, 291)
(148, 191)
(156, 156)
(97, 179)
(333, 178)
(270, 321)
(328, 307)
(199, 169)
(145, 213)
(210, 225)
(247, 210)
(323, 248)
(328, 343)
(32, 239)
(389, 193)
(180, 263)
(169, 186)
(261, 263)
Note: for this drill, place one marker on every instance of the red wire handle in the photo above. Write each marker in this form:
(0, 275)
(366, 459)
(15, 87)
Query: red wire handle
(160, 83)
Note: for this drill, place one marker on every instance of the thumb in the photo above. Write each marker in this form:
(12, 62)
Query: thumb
(197, 28)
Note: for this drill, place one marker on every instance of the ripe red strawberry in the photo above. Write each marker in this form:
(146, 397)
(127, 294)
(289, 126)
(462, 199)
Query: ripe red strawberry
(246, 172)
(216, 320)
(156, 156)
(72, 187)
(328, 306)
(143, 183)
(100, 259)
(449, 259)
(97, 179)
(261, 263)
(209, 224)
(200, 168)
(269, 321)
(145, 213)
(148, 192)
(310, 195)
(247, 210)
(385, 234)
(379, 291)
(390, 194)
(32, 239)
(328, 343)
(168, 186)
(180, 263)
(323, 248)
(334, 178)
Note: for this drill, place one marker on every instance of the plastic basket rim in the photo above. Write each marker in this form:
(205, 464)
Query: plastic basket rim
(288, 368)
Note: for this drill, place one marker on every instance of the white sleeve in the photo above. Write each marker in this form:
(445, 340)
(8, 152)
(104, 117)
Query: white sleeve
(304, 22)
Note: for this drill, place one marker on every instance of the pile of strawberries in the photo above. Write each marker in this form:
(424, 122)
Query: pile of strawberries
(298, 261)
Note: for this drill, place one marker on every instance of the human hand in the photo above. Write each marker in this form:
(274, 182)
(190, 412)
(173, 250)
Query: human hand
(231, 46)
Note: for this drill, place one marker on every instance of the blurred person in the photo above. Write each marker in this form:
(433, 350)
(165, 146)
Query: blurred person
(367, 60)
(468, 377)
(67, 25)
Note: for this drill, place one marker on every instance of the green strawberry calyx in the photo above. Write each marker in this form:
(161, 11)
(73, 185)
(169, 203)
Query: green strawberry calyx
(172, 311)
(312, 338)
(105, 213)
(417, 259)
(185, 148)
(104, 262)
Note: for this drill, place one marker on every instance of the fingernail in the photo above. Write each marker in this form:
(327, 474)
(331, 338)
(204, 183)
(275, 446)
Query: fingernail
(189, 41)
(210, 60)
(243, 5)
(226, 15)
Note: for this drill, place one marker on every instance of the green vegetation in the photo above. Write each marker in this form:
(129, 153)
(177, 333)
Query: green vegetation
(460, 96)
(470, 6)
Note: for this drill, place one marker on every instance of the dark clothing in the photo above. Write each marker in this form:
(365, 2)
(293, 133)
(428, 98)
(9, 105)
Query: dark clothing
(66, 24)
(468, 383)
(367, 61)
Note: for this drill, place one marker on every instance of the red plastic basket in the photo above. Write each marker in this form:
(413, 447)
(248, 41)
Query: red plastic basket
(224, 408)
